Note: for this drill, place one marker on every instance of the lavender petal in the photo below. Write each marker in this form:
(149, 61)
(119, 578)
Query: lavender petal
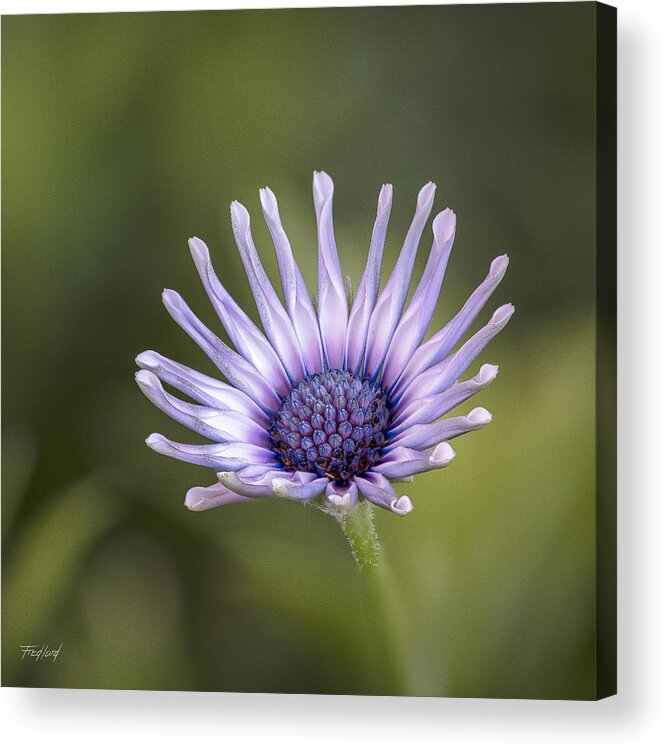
(214, 424)
(421, 437)
(218, 456)
(332, 298)
(404, 462)
(430, 408)
(253, 481)
(389, 306)
(236, 369)
(277, 324)
(442, 343)
(416, 318)
(341, 498)
(244, 334)
(297, 299)
(378, 490)
(205, 498)
(368, 289)
(201, 388)
(302, 486)
(440, 377)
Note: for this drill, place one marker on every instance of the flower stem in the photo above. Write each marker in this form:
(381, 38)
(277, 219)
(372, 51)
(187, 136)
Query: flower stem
(384, 633)
(359, 528)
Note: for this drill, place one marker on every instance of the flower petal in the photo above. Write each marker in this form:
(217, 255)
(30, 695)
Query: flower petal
(331, 297)
(205, 498)
(416, 318)
(237, 370)
(377, 489)
(206, 390)
(296, 296)
(427, 410)
(440, 377)
(219, 456)
(214, 424)
(244, 334)
(277, 324)
(341, 499)
(389, 306)
(420, 437)
(403, 462)
(254, 481)
(302, 486)
(440, 345)
(366, 296)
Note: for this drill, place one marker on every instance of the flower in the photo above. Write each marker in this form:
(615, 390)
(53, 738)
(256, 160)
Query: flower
(333, 405)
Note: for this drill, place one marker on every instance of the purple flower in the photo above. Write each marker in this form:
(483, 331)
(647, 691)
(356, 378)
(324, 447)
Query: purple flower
(333, 405)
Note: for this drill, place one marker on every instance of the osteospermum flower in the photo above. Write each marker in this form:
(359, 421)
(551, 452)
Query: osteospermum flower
(332, 405)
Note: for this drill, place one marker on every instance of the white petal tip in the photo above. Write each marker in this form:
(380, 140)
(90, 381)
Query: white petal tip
(171, 298)
(198, 250)
(240, 216)
(322, 179)
(480, 416)
(339, 501)
(385, 197)
(196, 499)
(499, 266)
(427, 195)
(444, 226)
(486, 375)
(268, 202)
(502, 315)
(442, 455)
(147, 359)
(154, 439)
(322, 190)
(402, 506)
(146, 379)
(279, 487)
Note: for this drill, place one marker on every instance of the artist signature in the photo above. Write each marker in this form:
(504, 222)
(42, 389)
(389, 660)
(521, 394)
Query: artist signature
(40, 652)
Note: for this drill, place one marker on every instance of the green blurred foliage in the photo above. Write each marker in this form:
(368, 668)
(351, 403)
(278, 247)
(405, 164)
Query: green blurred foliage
(125, 134)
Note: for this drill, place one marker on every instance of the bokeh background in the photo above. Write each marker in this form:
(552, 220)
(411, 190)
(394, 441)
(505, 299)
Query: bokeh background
(125, 134)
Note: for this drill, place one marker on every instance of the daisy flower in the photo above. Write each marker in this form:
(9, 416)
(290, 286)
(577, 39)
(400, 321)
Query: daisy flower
(326, 406)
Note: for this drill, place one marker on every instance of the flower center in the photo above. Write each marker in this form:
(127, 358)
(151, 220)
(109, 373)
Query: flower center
(332, 424)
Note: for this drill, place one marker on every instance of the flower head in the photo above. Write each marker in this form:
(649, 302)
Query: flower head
(333, 405)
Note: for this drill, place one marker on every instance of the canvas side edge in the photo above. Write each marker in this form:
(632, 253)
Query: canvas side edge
(606, 352)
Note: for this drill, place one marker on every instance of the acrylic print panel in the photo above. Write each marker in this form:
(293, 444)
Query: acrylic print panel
(384, 384)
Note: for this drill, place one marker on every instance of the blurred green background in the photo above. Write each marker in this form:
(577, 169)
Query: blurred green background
(125, 134)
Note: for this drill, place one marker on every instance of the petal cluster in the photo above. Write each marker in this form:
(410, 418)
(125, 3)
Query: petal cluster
(333, 404)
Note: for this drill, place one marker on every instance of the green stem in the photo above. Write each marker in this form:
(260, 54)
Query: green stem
(359, 528)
